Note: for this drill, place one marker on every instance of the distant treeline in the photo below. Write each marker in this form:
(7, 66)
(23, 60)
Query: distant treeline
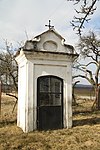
(83, 86)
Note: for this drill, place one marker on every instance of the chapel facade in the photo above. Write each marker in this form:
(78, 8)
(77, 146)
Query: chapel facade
(45, 82)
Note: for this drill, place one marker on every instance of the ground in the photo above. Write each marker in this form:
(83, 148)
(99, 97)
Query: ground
(85, 134)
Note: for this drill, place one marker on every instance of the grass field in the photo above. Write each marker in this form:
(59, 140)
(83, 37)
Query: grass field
(85, 134)
(85, 92)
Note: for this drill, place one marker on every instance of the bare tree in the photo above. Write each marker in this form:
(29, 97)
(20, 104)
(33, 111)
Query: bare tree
(9, 70)
(8, 66)
(89, 49)
(83, 13)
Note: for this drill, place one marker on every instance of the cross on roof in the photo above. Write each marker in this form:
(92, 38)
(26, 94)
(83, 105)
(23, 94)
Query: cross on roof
(49, 25)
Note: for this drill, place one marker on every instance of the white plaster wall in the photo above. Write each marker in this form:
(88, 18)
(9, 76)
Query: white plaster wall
(21, 116)
(30, 95)
(25, 96)
(69, 97)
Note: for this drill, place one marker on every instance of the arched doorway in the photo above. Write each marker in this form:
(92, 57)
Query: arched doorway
(49, 102)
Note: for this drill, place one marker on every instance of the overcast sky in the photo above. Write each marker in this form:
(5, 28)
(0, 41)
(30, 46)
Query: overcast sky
(18, 16)
(31, 16)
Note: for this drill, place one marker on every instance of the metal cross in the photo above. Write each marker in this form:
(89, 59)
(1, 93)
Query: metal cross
(49, 25)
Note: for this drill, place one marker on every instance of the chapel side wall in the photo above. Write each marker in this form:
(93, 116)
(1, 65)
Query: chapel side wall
(29, 98)
(21, 115)
(69, 96)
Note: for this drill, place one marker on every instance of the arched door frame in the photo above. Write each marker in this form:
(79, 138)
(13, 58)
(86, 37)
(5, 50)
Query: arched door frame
(48, 106)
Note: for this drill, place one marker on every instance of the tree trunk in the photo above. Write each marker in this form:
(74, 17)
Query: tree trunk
(73, 93)
(98, 98)
(0, 97)
(96, 103)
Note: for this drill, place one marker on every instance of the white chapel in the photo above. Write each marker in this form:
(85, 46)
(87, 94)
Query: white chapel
(45, 83)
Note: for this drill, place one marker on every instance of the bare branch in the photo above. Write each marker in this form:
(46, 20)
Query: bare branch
(85, 77)
(92, 63)
(85, 11)
(15, 101)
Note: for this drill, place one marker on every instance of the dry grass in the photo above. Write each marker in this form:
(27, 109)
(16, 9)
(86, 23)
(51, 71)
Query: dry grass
(85, 134)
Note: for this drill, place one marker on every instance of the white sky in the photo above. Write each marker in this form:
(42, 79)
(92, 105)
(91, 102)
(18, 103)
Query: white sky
(18, 16)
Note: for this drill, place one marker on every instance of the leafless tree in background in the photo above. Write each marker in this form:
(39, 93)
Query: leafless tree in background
(8, 66)
(89, 49)
(9, 71)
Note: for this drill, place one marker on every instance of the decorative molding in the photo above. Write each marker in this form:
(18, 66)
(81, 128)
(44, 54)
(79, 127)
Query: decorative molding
(50, 45)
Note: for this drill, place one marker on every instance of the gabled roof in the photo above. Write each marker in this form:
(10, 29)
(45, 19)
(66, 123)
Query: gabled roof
(50, 30)
(37, 44)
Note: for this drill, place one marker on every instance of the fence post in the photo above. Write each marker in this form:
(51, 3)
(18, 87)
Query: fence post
(0, 97)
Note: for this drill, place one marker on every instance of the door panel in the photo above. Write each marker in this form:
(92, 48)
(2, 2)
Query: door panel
(49, 101)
